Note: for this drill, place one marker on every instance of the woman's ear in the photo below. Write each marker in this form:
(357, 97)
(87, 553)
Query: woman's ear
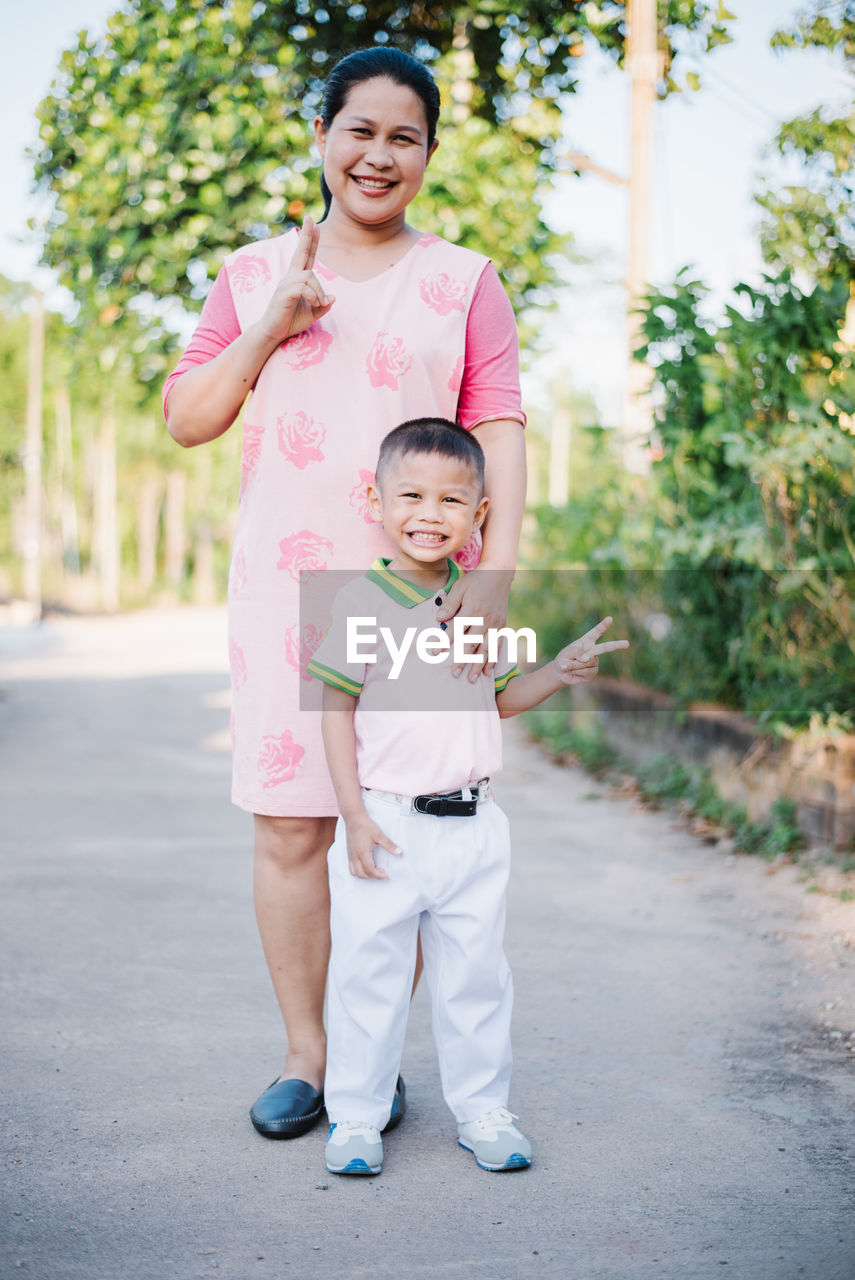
(375, 503)
(320, 135)
(431, 149)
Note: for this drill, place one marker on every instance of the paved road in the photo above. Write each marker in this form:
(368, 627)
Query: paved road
(683, 1063)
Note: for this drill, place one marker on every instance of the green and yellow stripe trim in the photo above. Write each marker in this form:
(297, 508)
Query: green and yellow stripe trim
(501, 682)
(334, 678)
(402, 591)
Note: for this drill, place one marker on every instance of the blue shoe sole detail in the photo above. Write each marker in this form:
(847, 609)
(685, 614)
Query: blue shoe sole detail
(515, 1161)
(360, 1167)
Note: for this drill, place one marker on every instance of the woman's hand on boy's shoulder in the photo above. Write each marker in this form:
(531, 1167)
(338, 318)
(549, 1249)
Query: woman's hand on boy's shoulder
(363, 837)
(578, 662)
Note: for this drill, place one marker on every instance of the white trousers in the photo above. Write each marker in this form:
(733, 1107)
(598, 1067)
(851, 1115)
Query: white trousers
(449, 882)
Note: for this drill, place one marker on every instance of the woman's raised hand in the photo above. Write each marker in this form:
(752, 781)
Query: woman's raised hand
(299, 299)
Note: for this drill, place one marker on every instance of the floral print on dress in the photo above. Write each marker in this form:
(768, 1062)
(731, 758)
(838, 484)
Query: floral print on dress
(238, 575)
(279, 758)
(253, 434)
(426, 239)
(237, 665)
(468, 557)
(358, 498)
(299, 650)
(307, 348)
(442, 293)
(304, 552)
(300, 438)
(326, 273)
(387, 361)
(455, 382)
(247, 273)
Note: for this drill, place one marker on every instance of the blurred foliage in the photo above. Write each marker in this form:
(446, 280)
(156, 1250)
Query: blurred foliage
(665, 780)
(756, 487)
(83, 379)
(732, 570)
(183, 132)
(810, 226)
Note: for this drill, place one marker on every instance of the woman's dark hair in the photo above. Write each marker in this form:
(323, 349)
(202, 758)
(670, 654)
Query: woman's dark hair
(371, 64)
(432, 435)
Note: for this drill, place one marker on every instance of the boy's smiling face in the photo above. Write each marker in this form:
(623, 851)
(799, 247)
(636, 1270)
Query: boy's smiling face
(429, 506)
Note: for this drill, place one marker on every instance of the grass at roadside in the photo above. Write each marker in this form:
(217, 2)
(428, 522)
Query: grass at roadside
(669, 782)
(665, 781)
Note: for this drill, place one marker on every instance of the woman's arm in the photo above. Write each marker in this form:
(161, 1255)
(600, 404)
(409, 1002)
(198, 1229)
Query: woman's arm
(204, 401)
(489, 405)
(503, 443)
(484, 592)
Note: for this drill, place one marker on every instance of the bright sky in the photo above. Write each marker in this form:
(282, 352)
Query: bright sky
(707, 149)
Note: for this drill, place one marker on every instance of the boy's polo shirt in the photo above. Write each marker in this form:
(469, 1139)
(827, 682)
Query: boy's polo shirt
(425, 730)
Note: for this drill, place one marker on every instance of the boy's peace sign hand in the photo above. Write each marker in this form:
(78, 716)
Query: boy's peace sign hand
(578, 662)
(299, 299)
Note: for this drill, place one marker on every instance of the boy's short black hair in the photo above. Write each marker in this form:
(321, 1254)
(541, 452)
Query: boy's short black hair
(432, 435)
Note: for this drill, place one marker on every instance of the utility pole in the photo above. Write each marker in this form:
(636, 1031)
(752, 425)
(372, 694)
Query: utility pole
(33, 448)
(644, 66)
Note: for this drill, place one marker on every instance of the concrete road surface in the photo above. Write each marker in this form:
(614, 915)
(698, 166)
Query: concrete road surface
(684, 1065)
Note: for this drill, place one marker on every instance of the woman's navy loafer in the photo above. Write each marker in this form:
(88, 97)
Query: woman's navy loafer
(399, 1106)
(286, 1109)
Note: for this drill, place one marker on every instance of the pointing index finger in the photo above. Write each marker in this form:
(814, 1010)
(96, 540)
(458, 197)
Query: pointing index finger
(307, 245)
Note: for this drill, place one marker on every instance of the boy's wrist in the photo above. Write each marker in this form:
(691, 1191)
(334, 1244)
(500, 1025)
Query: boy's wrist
(353, 811)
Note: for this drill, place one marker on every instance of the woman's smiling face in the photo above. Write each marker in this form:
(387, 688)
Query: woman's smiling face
(375, 151)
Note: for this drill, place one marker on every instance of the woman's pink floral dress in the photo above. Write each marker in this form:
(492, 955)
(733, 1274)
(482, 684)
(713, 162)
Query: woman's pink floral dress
(391, 348)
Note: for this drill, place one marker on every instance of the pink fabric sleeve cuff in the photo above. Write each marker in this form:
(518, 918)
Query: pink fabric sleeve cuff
(491, 372)
(217, 328)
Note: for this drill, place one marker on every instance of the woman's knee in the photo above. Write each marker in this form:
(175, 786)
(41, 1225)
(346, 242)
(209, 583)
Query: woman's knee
(292, 843)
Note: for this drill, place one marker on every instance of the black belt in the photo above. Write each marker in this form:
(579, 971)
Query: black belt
(452, 805)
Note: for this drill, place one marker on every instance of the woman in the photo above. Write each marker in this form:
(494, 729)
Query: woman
(341, 331)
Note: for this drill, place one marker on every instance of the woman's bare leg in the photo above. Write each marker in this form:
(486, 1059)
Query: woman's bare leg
(292, 906)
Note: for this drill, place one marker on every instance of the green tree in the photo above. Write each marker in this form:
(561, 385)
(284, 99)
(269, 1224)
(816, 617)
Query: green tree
(756, 497)
(810, 225)
(183, 131)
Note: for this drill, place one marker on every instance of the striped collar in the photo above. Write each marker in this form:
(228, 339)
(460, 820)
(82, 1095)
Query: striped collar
(400, 589)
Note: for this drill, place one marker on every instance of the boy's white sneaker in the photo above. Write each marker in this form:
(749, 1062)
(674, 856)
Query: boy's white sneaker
(353, 1147)
(495, 1141)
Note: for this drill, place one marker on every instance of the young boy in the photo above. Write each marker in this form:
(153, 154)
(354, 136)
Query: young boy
(421, 846)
